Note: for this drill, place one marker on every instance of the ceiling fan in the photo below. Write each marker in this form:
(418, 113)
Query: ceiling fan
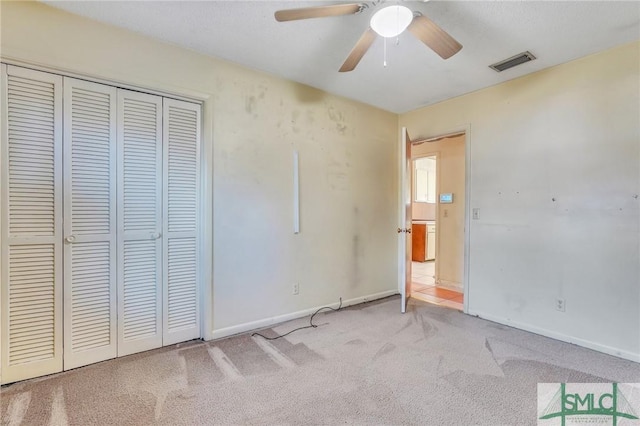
(388, 21)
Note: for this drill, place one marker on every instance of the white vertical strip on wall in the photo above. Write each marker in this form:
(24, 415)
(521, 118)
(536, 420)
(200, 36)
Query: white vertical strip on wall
(31, 219)
(90, 222)
(181, 139)
(4, 177)
(296, 194)
(139, 222)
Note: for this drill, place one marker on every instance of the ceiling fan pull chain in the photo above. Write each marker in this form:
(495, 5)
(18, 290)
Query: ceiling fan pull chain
(384, 61)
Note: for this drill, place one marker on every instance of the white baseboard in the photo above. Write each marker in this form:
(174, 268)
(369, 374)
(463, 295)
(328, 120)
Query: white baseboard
(454, 285)
(560, 336)
(254, 325)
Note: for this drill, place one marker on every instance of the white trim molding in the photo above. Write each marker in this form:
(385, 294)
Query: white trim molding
(267, 322)
(609, 350)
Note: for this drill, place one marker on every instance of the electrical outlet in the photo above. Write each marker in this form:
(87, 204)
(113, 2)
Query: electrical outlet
(476, 213)
(560, 305)
(296, 289)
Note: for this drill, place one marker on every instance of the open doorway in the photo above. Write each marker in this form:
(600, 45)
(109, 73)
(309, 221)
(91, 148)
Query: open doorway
(438, 215)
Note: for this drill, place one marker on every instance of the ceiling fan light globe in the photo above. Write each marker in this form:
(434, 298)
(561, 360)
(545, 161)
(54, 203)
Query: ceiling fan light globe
(391, 20)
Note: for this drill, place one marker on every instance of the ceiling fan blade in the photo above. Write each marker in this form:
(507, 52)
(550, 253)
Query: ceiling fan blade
(425, 30)
(318, 12)
(359, 50)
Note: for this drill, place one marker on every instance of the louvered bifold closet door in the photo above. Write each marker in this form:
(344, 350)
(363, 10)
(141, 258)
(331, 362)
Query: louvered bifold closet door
(90, 223)
(31, 219)
(181, 136)
(139, 222)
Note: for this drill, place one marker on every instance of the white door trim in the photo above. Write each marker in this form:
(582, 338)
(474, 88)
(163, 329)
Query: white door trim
(466, 129)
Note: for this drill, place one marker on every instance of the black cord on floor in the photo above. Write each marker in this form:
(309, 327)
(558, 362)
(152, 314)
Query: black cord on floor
(311, 324)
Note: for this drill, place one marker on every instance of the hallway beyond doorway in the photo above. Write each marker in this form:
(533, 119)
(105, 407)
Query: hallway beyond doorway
(423, 287)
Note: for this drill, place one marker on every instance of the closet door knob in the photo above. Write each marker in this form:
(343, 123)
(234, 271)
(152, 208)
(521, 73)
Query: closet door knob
(70, 239)
(155, 235)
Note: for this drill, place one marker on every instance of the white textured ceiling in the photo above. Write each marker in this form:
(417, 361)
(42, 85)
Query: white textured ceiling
(311, 51)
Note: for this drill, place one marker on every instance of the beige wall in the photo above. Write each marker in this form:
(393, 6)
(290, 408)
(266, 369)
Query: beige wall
(253, 123)
(449, 217)
(423, 211)
(555, 170)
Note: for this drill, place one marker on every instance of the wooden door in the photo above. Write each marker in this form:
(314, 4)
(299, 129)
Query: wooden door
(404, 227)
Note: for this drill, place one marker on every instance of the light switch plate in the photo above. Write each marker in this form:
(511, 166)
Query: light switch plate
(476, 213)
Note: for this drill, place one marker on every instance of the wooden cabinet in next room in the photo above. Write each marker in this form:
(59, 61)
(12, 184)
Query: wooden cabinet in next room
(423, 237)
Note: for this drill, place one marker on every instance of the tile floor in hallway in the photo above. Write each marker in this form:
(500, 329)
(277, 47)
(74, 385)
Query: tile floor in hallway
(423, 287)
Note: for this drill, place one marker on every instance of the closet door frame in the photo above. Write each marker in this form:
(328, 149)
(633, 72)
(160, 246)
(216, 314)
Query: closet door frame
(205, 207)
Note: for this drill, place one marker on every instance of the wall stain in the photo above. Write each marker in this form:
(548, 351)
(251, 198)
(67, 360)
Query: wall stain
(295, 115)
(337, 178)
(356, 248)
(250, 104)
(338, 118)
(335, 115)
(307, 94)
(310, 117)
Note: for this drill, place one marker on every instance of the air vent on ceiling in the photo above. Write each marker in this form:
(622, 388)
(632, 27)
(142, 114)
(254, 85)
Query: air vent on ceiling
(513, 61)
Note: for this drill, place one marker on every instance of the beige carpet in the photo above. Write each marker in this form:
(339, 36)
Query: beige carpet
(367, 364)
